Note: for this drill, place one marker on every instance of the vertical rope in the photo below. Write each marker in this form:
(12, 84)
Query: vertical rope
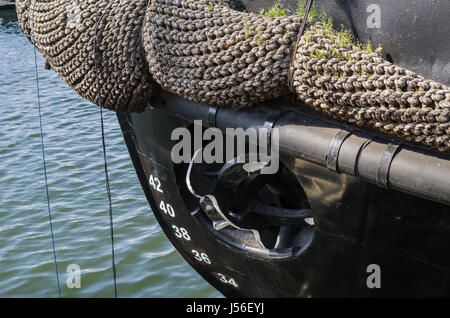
(108, 188)
(308, 7)
(43, 151)
(108, 191)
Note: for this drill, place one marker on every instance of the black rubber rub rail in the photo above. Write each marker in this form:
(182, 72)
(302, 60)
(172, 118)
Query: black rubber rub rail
(309, 136)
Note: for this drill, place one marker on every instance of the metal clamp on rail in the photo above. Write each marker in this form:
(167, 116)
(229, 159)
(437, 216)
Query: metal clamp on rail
(270, 123)
(363, 146)
(212, 116)
(335, 147)
(385, 163)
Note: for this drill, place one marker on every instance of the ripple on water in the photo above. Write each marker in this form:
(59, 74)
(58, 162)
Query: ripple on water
(147, 264)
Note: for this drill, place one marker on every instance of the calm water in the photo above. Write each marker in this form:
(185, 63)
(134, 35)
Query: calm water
(147, 264)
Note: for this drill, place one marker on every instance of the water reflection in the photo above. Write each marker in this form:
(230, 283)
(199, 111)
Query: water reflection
(147, 264)
(8, 19)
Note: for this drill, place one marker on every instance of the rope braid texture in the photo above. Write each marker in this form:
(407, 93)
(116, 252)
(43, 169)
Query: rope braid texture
(211, 54)
(65, 32)
(364, 89)
(207, 52)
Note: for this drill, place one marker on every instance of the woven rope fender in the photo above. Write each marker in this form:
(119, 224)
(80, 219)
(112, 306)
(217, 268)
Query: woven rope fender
(362, 88)
(209, 53)
(65, 31)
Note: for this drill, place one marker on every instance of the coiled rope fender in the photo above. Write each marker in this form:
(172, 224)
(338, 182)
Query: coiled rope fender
(207, 52)
(65, 33)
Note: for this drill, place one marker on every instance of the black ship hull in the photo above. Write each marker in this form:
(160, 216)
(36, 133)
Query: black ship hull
(357, 223)
(379, 222)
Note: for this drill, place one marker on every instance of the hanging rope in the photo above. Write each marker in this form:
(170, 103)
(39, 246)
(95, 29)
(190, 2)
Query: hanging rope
(108, 188)
(308, 8)
(43, 152)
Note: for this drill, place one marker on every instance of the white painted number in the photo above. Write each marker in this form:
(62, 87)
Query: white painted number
(229, 281)
(181, 233)
(201, 257)
(167, 209)
(155, 183)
